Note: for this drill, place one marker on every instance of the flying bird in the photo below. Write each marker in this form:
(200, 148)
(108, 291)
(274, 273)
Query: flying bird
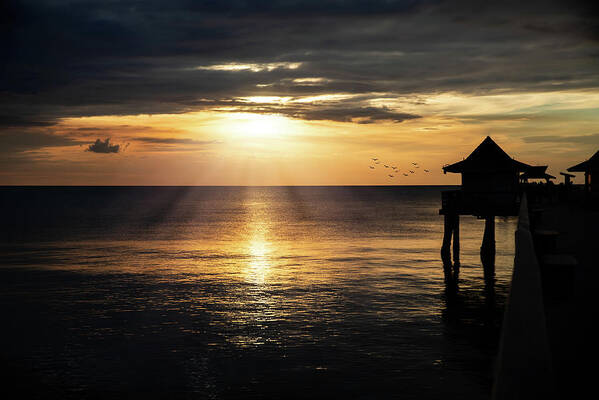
(426, 170)
(371, 167)
(374, 159)
(378, 162)
(405, 174)
(386, 166)
(414, 163)
(411, 172)
(391, 175)
(394, 167)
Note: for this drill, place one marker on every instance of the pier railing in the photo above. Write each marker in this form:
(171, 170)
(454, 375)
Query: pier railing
(524, 362)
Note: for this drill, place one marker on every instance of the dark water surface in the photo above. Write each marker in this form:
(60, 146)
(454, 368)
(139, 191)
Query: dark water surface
(243, 292)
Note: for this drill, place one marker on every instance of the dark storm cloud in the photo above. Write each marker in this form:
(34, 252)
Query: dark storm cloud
(286, 8)
(80, 58)
(7, 121)
(104, 147)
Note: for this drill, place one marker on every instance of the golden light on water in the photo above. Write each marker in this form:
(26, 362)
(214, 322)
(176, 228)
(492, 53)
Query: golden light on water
(256, 243)
(259, 263)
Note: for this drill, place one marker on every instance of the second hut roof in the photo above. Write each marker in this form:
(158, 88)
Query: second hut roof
(591, 163)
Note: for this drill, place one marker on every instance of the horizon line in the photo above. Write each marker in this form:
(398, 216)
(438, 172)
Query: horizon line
(326, 185)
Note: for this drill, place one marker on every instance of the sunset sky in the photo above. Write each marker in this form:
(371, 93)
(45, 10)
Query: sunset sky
(290, 92)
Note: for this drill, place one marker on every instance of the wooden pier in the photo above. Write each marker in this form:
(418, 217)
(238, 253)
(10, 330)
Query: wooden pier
(524, 367)
(548, 328)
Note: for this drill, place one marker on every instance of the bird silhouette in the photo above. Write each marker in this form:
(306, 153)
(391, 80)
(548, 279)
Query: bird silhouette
(414, 163)
(411, 172)
(394, 167)
(378, 162)
(391, 175)
(371, 167)
(405, 174)
(386, 166)
(426, 170)
(374, 159)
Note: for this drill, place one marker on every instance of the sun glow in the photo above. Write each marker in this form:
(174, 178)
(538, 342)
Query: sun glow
(259, 125)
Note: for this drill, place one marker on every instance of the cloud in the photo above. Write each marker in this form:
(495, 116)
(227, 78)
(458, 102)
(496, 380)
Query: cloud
(103, 147)
(21, 141)
(169, 140)
(592, 139)
(363, 115)
(333, 107)
(11, 121)
(86, 58)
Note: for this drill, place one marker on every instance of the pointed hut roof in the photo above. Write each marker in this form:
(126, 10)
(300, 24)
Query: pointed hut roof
(591, 163)
(487, 157)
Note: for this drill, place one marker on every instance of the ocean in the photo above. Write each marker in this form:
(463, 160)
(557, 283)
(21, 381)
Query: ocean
(244, 292)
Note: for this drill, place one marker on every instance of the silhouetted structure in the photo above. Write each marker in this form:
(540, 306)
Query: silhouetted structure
(536, 172)
(523, 366)
(567, 178)
(589, 167)
(490, 187)
(566, 188)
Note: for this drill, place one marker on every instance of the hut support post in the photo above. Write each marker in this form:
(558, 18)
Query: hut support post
(586, 183)
(451, 228)
(487, 249)
(456, 246)
(446, 247)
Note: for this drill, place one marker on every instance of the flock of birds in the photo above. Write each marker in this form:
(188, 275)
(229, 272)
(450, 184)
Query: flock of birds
(395, 169)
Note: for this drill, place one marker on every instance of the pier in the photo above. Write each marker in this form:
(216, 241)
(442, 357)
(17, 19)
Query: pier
(524, 368)
(547, 334)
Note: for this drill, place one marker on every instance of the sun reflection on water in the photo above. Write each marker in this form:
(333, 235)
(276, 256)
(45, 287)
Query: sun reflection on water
(259, 262)
(255, 306)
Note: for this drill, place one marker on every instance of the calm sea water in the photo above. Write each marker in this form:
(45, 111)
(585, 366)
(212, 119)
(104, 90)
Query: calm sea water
(243, 292)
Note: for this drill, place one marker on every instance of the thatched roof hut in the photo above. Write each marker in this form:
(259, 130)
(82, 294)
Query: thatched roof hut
(490, 182)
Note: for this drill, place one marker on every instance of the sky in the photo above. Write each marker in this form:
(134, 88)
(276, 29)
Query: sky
(259, 92)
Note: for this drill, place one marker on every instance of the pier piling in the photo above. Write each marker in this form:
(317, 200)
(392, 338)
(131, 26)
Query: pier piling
(451, 229)
(487, 249)
(456, 246)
